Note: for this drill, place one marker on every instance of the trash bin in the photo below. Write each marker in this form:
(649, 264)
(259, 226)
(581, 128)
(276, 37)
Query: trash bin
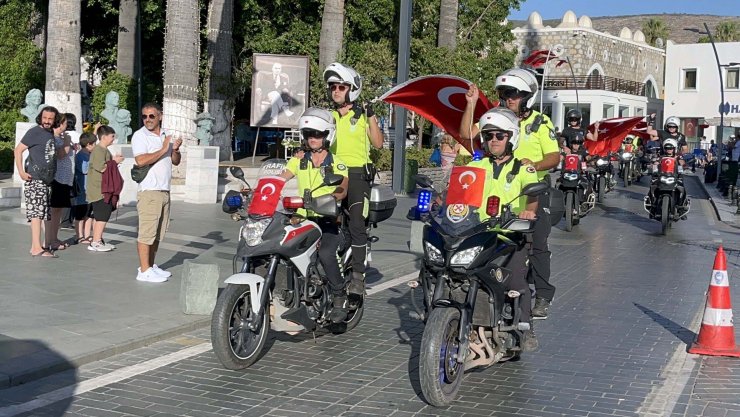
(410, 170)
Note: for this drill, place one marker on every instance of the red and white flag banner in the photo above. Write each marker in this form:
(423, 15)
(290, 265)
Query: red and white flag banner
(611, 134)
(266, 196)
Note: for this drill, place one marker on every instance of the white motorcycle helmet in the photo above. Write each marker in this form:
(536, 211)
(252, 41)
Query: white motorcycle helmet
(315, 120)
(344, 74)
(628, 140)
(672, 143)
(500, 118)
(671, 121)
(522, 80)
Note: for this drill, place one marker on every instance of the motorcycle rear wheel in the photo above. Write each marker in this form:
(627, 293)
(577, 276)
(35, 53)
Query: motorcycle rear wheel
(569, 212)
(664, 214)
(440, 373)
(234, 344)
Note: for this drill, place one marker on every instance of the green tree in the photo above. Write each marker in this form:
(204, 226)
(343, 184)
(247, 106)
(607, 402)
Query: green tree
(653, 29)
(727, 31)
(21, 68)
(332, 31)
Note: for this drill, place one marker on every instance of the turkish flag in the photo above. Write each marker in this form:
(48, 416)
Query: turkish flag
(439, 99)
(466, 186)
(640, 130)
(538, 58)
(611, 133)
(266, 196)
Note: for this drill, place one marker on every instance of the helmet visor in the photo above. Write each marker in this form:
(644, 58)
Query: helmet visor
(574, 119)
(671, 126)
(313, 133)
(506, 93)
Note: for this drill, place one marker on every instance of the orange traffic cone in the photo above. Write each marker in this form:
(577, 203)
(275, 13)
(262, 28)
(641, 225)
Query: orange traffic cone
(717, 333)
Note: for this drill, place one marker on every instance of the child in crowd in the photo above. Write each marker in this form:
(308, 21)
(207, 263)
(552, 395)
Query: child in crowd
(81, 209)
(101, 211)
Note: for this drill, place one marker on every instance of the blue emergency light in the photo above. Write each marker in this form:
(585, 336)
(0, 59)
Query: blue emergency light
(234, 201)
(422, 202)
(477, 155)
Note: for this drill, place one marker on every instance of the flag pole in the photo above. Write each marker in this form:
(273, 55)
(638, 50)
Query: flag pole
(544, 77)
(575, 83)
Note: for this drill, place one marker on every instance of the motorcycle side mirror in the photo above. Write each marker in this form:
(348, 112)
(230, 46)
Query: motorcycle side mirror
(535, 189)
(423, 181)
(333, 179)
(237, 172)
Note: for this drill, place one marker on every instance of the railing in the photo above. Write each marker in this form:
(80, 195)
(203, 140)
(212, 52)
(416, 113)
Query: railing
(595, 82)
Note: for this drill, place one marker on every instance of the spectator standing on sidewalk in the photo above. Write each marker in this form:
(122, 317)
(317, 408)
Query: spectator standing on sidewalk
(38, 174)
(61, 187)
(81, 208)
(101, 210)
(152, 147)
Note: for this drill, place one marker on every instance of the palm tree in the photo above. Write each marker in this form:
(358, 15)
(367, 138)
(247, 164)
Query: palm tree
(332, 32)
(127, 27)
(727, 31)
(653, 29)
(181, 51)
(220, 23)
(447, 36)
(63, 57)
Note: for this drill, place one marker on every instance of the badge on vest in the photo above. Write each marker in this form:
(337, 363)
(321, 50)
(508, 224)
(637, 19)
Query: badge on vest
(531, 169)
(553, 136)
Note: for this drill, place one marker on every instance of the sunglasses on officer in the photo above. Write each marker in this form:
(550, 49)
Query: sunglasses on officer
(340, 87)
(509, 93)
(574, 119)
(313, 133)
(495, 134)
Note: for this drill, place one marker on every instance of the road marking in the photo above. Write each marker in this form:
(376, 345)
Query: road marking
(714, 232)
(138, 369)
(663, 398)
(103, 380)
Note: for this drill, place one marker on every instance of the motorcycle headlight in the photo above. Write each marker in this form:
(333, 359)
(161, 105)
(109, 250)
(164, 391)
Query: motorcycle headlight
(627, 155)
(570, 176)
(253, 230)
(601, 162)
(465, 257)
(433, 254)
(667, 180)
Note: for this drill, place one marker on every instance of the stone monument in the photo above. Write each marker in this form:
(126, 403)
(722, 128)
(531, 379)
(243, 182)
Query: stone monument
(34, 99)
(204, 121)
(111, 108)
(122, 126)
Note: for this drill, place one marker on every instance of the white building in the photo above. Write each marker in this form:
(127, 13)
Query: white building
(692, 88)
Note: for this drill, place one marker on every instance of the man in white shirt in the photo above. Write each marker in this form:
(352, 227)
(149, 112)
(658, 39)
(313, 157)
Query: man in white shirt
(152, 147)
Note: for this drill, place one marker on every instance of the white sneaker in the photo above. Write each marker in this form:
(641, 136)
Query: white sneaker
(100, 247)
(287, 112)
(161, 272)
(149, 276)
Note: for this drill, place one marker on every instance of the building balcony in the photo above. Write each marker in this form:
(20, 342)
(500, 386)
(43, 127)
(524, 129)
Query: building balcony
(595, 82)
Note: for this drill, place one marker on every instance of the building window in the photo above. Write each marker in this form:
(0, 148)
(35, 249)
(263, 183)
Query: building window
(608, 111)
(650, 90)
(624, 111)
(732, 78)
(585, 112)
(689, 79)
(639, 111)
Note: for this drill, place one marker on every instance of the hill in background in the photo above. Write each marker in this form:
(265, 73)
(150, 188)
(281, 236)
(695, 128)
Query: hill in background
(678, 23)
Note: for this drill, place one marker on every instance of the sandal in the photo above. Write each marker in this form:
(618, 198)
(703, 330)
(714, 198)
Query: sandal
(59, 246)
(44, 254)
(85, 240)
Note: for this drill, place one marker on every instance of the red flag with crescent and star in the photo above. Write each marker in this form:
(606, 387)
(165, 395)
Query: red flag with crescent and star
(541, 57)
(439, 99)
(611, 133)
(266, 196)
(466, 186)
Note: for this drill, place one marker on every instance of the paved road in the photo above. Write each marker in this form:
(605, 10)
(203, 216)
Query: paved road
(627, 305)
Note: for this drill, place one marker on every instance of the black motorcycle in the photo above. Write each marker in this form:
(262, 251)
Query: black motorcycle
(666, 200)
(603, 177)
(259, 296)
(472, 319)
(627, 166)
(576, 187)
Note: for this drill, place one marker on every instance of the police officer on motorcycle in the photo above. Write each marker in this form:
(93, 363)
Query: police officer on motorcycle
(318, 131)
(537, 147)
(506, 176)
(669, 150)
(357, 130)
(670, 131)
(573, 129)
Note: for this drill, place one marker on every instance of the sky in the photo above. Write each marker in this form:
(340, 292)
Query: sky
(551, 9)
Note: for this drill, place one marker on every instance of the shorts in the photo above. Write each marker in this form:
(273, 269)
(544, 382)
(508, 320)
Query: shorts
(82, 211)
(61, 195)
(37, 196)
(154, 215)
(101, 210)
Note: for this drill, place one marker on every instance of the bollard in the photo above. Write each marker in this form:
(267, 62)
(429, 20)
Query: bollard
(198, 288)
(730, 189)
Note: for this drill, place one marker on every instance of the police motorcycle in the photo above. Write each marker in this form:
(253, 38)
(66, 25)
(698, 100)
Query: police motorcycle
(667, 201)
(472, 320)
(603, 177)
(627, 162)
(280, 284)
(580, 197)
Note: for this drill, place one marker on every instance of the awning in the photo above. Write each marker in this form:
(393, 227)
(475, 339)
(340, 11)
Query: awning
(728, 121)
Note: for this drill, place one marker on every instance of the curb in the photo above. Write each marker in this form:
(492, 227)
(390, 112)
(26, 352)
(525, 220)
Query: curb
(709, 197)
(50, 368)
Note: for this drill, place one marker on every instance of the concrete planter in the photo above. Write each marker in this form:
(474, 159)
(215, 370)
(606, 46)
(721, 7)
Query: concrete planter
(437, 174)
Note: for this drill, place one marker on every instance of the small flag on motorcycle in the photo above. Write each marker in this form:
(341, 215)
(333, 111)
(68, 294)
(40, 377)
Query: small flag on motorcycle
(492, 205)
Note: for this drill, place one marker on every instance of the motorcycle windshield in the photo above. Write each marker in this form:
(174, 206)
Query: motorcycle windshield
(266, 195)
(457, 220)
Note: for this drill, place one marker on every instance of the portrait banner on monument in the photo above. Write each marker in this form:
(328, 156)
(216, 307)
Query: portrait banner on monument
(279, 90)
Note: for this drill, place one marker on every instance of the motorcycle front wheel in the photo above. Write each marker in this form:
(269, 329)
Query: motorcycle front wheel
(627, 175)
(569, 212)
(665, 206)
(440, 373)
(235, 345)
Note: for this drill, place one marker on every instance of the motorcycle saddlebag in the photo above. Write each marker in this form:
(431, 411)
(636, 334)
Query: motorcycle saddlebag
(554, 201)
(382, 203)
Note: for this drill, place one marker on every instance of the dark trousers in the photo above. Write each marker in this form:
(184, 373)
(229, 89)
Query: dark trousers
(518, 281)
(358, 196)
(328, 253)
(539, 259)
